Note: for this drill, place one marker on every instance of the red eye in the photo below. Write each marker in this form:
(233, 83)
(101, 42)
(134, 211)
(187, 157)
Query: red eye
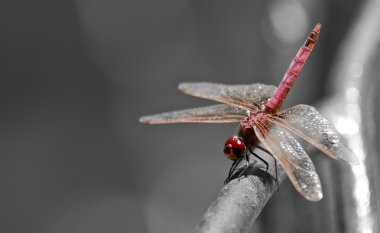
(234, 148)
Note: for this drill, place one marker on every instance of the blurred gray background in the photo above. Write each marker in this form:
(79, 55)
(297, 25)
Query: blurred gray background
(77, 75)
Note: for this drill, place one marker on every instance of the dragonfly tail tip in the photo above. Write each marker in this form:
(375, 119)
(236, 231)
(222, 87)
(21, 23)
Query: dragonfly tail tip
(317, 27)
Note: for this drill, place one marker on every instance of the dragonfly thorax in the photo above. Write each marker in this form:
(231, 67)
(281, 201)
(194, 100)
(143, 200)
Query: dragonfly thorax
(254, 116)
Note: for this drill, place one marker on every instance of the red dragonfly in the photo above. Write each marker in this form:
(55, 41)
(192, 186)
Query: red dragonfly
(256, 107)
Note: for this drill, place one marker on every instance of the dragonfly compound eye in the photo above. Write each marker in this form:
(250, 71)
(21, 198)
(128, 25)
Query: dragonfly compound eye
(234, 148)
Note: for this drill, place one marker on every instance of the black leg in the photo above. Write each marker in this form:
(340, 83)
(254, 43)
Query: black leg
(275, 168)
(246, 166)
(232, 169)
(267, 165)
(261, 159)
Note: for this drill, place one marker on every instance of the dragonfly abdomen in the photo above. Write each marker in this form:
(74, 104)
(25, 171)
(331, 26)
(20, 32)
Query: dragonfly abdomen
(274, 103)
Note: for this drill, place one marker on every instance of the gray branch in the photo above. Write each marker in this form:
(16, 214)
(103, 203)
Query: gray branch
(241, 200)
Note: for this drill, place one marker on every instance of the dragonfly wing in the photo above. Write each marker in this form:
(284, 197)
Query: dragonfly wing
(244, 96)
(308, 123)
(220, 113)
(294, 160)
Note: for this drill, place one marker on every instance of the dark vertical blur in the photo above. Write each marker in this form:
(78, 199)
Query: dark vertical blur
(76, 75)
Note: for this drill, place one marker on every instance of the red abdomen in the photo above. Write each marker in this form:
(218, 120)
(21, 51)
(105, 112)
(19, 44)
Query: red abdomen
(274, 103)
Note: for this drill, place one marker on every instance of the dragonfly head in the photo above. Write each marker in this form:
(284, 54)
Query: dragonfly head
(235, 148)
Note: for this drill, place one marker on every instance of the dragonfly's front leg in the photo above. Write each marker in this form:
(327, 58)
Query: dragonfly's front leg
(246, 165)
(232, 169)
(234, 166)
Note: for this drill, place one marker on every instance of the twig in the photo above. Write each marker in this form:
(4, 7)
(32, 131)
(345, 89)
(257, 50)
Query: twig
(241, 200)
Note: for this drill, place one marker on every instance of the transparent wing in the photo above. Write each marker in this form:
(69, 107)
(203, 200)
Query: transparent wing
(220, 113)
(308, 123)
(244, 96)
(294, 160)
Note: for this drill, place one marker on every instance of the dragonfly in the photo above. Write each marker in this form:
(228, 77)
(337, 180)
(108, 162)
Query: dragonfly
(257, 108)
